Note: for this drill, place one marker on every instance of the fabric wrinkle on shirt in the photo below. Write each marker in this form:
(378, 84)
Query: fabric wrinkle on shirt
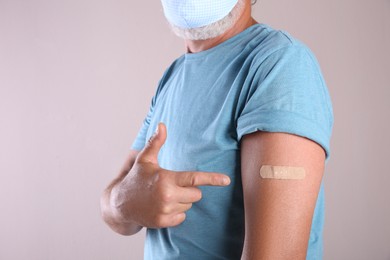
(260, 80)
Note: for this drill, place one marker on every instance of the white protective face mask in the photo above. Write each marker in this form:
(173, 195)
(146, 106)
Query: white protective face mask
(188, 14)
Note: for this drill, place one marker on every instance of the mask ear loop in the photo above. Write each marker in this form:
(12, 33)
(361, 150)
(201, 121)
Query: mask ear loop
(254, 2)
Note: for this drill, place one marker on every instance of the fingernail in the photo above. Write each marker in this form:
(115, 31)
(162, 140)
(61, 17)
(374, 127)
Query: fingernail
(226, 180)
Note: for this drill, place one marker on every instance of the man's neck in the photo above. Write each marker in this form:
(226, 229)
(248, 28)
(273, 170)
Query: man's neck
(244, 22)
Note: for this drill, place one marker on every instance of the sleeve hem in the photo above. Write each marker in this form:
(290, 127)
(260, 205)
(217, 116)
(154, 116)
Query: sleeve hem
(286, 122)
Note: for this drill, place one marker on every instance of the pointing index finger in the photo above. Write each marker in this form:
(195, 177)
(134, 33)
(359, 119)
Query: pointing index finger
(194, 179)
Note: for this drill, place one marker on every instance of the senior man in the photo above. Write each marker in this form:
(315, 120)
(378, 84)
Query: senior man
(229, 161)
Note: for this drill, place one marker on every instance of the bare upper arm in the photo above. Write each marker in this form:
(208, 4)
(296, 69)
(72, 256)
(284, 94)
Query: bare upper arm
(278, 213)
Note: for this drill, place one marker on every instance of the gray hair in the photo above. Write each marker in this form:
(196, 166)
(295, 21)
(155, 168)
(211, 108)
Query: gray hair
(213, 30)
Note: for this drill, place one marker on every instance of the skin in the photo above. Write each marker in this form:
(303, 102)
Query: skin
(278, 213)
(146, 195)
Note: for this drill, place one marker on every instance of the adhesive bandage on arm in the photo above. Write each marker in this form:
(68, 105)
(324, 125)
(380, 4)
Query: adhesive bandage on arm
(282, 172)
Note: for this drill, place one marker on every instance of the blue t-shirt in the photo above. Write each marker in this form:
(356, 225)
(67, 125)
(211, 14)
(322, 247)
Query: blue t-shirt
(259, 80)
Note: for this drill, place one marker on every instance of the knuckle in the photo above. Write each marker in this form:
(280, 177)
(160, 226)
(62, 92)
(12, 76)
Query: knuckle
(166, 196)
(149, 143)
(217, 179)
(151, 140)
(214, 180)
(194, 180)
(165, 209)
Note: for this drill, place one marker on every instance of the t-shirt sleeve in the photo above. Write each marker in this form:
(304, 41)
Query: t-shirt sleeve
(140, 140)
(288, 94)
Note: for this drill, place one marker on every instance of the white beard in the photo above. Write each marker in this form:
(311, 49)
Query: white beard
(213, 30)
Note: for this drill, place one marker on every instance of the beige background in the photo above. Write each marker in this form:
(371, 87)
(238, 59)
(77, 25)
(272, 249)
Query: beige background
(76, 78)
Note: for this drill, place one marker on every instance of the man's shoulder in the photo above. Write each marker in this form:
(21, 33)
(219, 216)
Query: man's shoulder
(268, 34)
(269, 41)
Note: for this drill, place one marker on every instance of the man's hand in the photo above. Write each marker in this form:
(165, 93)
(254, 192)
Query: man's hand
(153, 197)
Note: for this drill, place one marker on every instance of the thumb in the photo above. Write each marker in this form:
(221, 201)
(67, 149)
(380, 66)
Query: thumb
(153, 146)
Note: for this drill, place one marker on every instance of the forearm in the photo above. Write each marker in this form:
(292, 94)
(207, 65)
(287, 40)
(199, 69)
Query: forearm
(110, 213)
(112, 217)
